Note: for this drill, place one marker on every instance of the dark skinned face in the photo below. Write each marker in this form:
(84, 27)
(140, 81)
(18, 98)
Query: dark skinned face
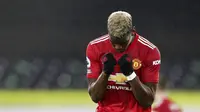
(120, 44)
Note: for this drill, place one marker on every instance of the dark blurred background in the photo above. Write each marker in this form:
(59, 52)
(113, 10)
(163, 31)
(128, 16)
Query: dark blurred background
(43, 42)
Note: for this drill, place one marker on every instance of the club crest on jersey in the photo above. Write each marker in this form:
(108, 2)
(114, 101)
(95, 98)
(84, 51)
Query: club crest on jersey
(137, 64)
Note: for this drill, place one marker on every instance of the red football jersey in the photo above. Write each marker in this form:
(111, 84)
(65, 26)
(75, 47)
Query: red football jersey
(165, 104)
(118, 97)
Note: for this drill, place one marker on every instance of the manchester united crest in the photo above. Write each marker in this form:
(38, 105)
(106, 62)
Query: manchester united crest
(137, 64)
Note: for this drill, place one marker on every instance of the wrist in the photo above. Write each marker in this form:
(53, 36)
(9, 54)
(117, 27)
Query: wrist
(131, 76)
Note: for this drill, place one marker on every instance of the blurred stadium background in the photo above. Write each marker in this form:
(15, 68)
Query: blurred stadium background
(43, 42)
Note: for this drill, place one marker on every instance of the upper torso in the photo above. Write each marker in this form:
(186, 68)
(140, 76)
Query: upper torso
(118, 95)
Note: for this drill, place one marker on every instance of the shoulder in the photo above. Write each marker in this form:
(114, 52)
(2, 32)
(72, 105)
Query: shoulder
(147, 47)
(96, 45)
(99, 40)
(143, 42)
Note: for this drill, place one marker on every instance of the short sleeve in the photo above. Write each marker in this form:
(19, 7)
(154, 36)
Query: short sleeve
(151, 69)
(93, 64)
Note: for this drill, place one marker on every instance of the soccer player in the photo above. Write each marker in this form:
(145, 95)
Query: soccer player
(123, 68)
(162, 102)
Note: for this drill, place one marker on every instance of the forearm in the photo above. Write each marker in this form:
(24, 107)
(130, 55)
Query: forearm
(97, 89)
(143, 94)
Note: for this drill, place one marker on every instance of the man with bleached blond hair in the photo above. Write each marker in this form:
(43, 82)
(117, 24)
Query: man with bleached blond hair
(123, 68)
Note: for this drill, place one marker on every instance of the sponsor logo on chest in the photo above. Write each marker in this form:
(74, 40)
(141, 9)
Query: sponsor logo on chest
(119, 82)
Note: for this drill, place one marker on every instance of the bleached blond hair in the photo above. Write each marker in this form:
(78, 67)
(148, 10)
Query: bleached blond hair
(119, 24)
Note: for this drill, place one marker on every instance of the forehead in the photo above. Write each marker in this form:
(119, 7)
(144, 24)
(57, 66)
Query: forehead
(122, 39)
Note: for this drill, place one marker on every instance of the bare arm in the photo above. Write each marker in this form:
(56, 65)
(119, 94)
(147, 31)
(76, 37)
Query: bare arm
(97, 87)
(144, 93)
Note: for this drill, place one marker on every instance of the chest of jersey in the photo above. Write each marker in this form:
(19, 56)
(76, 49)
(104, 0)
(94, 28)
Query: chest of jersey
(117, 78)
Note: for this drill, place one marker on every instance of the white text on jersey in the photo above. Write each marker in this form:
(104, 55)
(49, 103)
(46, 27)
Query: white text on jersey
(156, 62)
(116, 87)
